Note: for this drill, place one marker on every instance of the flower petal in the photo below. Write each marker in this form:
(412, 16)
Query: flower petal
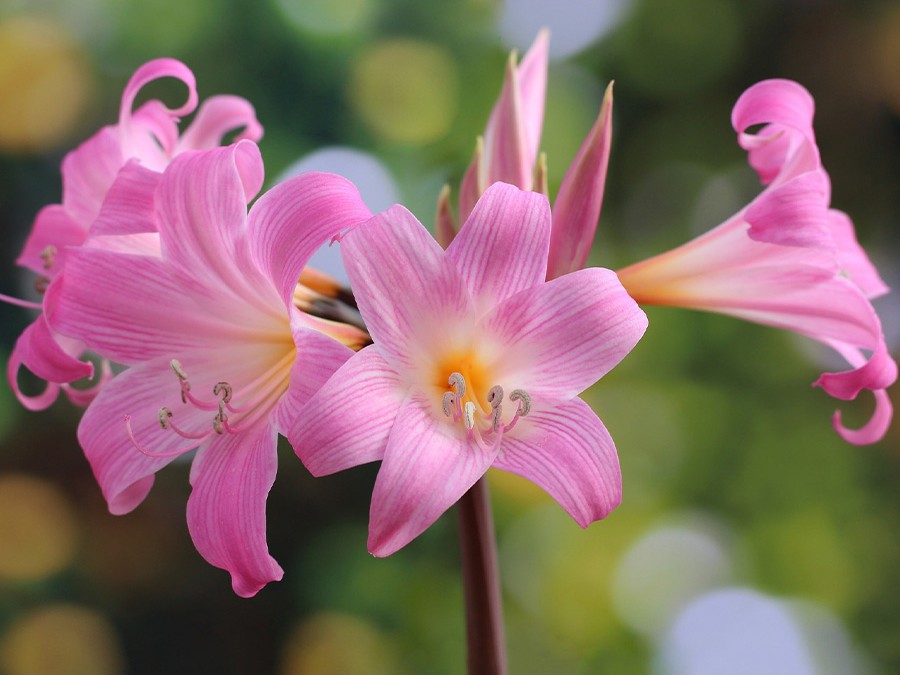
(873, 430)
(502, 247)
(428, 465)
(576, 210)
(404, 283)
(295, 218)
(794, 213)
(87, 173)
(569, 453)
(226, 513)
(533, 90)
(217, 116)
(852, 259)
(129, 204)
(53, 232)
(124, 473)
(505, 142)
(39, 350)
(562, 336)
(347, 422)
(317, 358)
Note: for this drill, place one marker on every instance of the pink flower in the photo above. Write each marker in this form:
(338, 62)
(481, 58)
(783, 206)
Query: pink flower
(220, 358)
(787, 259)
(508, 152)
(476, 362)
(144, 141)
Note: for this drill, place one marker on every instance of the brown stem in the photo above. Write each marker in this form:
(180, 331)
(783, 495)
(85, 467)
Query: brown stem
(481, 583)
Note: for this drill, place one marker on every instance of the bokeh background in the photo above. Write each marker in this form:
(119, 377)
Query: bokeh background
(751, 538)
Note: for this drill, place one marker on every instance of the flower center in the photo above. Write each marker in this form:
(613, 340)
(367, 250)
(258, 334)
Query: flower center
(484, 424)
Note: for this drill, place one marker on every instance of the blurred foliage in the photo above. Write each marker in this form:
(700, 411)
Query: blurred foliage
(718, 431)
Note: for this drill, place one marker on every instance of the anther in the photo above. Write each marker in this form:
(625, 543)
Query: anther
(495, 396)
(524, 399)
(448, 403)
(164, 416)
(219, 423)
(41, 284)
(179, 370)
(48, 256)
(223, 389)
(458, 382)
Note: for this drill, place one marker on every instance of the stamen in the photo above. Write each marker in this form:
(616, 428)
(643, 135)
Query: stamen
(524, 399)
(48, 256)
(164, 416)
(469, 415)
(495, 396)
(458, 382)
(179, 370)
(41, 284)
(157, 455)
(448, 403)
(224, 389)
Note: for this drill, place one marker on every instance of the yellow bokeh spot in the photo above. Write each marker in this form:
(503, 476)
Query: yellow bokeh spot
(45, 83)
(62, 640)
(406, 90)
(338, 644)
(37, 528)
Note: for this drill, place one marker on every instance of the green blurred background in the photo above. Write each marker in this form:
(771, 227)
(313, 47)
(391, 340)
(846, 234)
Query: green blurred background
(751, 539)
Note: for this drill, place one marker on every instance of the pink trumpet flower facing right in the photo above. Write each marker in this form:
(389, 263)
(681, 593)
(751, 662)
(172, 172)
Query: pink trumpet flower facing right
(787, 259)
(508, 152)
(142, 144)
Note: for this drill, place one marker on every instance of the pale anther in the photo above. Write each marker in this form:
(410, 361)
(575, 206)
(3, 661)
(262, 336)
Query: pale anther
(524, 401)
(219, 423)
(48, 256)
(469, 415)
(178, 370)
(458, 382)
(448, 403)
(495, 396)
(223, 389)
(164, 415)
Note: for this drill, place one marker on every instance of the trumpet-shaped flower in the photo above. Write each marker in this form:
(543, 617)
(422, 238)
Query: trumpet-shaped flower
(476, 362)
(142, 143)
(220, 358)
(787, 259)
(508, 152)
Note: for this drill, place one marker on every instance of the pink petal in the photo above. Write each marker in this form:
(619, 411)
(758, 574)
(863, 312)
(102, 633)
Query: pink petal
(153, 117)
(473, 182)
(202, 200)
(505, 143)
(347, 422)
(428, 465)
(295, 218)
(568, 452)
(786, 147)
(130, 308)
(226, 513)
(875, 429)
(124, 473)
(218, 116)
(562, 336)
(502, 247)
(53, 232)
(87, 173)
(318, 357)
(795, 213)
(852, 259)
(533, 90)
(879, 372)
(410, 288)
(444, 224)
(41, 401)
(129, 204)
(39, 350)
(576, 210)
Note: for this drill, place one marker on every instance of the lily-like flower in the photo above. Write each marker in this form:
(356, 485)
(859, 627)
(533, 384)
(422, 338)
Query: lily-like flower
(508, 152)
(477, 361)
(787, 259)
(143, 142)
(220, 357)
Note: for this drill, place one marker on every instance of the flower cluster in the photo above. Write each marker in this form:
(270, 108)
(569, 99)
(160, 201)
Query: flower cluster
(470, 351)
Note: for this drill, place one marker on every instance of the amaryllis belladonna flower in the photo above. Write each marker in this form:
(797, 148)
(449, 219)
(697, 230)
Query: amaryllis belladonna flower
(143, 142)
(476, 362)
(220, 359)
(787, 259)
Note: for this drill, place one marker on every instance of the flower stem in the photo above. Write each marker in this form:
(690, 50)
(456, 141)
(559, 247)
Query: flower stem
(481, 583)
